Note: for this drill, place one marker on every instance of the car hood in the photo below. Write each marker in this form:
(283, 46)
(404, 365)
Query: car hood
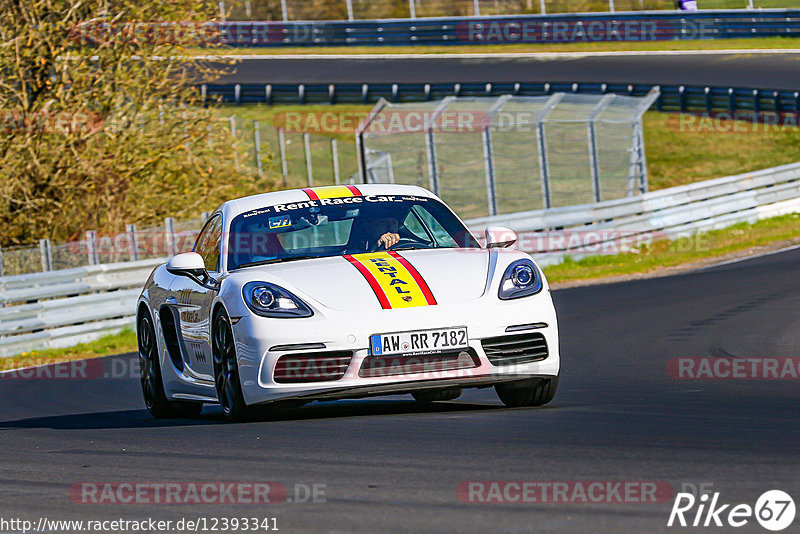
(452, 275)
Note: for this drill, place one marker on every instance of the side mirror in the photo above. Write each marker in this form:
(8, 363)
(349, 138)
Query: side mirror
(500, 237)
(189, 264)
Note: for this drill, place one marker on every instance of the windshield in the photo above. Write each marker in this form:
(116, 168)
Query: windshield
(337, 226)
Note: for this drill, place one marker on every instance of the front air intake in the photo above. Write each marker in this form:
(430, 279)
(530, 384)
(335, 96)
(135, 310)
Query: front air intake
(312, 367)
(513, 350)
(431, 364)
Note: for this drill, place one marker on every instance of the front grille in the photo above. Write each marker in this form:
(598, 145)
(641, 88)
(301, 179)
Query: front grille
(511, 350)
(379, 366)
(312, 367)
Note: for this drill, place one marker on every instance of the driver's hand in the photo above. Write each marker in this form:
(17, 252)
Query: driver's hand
(388, 240)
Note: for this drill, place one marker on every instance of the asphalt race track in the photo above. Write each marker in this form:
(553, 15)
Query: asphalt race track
(767, 71)
(390, 465)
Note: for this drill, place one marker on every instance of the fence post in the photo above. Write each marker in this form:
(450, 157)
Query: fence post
(543, 6)
(476, 7)
(642, 157)
(232, 122)
(169, 235)
(335, 158)
(1, 262)
(47, 257)
(282, 143)
(349, 9)
(309, 170)
(284, 11)
(257, 141)
(488, 161)
(222, 13)
(133, 242)
(750, 4)
(412, 8)
(91, 247)
(611, 5)
(594, 162)
(541, 140)
(433, 170)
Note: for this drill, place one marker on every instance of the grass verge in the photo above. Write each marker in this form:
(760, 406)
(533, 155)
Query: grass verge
(518, 48)
(703, 247)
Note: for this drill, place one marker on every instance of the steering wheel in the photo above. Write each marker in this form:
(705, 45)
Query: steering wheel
(407, 242)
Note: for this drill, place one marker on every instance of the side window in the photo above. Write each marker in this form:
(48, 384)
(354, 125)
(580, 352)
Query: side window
(208, 243)
(413, 225)
(440, 235)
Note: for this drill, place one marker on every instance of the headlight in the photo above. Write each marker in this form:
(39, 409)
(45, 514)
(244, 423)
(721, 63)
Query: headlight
(521, 279)
(269, 300)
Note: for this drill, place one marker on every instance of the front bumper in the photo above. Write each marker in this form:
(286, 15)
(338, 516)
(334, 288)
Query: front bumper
(350, 331)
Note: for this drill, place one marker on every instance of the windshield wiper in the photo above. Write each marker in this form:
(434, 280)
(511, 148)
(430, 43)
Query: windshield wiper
(274, 260)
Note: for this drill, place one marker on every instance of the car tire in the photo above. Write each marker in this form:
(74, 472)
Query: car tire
(436, 395)
(226, 369)
(536, 392)
(150, 376)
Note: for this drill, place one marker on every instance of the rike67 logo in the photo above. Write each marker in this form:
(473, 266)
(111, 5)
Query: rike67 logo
(774, 510)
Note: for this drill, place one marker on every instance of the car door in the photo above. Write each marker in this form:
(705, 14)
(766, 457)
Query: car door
(193, 300)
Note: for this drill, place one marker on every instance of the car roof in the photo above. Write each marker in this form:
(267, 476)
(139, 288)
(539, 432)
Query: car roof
(232, 208)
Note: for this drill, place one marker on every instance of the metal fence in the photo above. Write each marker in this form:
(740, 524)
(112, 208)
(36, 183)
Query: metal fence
(301, 158)
(287, 10)
(488, 156)
(135, 244)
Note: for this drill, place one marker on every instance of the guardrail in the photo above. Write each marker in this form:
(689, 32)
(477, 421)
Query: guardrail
(667, 213)
(683, 98)
(241, 10)
(61, 308)
(556, 28)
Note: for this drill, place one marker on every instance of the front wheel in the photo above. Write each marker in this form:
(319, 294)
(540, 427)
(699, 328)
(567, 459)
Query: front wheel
(150, 375)
(535, 392)
(226, 369)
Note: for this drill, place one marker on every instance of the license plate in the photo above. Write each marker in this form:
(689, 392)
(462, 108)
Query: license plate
(431, 341)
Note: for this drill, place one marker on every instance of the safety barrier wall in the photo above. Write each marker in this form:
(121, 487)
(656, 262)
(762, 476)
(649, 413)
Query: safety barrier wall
(556, 28)
(681, 98)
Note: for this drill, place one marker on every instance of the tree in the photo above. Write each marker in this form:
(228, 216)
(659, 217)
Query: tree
(100, 119)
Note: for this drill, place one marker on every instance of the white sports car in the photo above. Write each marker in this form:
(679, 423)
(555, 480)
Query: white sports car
(343, 292)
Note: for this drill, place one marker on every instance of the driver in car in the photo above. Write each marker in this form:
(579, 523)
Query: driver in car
(386, 232)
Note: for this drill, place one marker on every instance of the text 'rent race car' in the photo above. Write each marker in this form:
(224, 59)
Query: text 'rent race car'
(343, 292)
